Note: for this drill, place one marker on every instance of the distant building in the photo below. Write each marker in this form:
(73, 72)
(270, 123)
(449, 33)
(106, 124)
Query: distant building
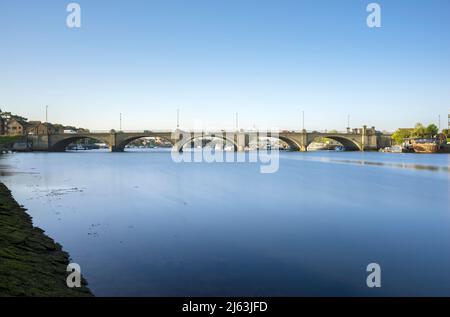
(31, 127)
(16, 126)
(2, 126)
(4, 117)
(45, 128)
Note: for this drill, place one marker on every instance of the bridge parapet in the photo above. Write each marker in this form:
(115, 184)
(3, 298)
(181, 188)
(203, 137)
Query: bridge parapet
(356, 139)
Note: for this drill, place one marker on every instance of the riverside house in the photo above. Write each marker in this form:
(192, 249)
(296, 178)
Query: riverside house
(40, 128)
(2, 126)
(16, 127)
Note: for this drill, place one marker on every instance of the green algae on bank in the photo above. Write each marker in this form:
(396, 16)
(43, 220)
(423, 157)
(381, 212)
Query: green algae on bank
(31, 263)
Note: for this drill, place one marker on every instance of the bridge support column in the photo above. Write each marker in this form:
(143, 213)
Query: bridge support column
(240, 141)
(304, 141)
(176, 139)
(114, 143)
(116, 149)
(38, 142)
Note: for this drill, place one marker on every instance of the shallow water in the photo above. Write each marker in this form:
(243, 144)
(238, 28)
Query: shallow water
(140, 224)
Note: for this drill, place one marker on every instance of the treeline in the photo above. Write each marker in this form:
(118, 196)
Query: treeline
(419, 131)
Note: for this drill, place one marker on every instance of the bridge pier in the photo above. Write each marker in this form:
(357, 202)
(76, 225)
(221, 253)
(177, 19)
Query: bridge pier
(114, 149)
(241, 141)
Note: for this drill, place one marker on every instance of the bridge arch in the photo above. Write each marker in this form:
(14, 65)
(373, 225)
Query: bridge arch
(121, 146)
(61, 144)
(293, 145)
(185, 141)
(348, 143)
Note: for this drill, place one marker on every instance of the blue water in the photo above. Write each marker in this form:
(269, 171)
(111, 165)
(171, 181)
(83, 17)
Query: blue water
(140, 224)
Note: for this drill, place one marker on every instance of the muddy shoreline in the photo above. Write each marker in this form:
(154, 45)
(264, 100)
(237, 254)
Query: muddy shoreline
(31, 263)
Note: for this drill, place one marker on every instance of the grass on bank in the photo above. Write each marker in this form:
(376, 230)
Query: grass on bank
(8, 140)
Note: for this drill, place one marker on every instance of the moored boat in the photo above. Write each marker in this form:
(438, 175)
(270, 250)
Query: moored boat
(425, 145)
(317, 146)
(392, 149)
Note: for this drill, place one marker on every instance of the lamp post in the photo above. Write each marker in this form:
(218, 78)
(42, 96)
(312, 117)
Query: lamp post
(348, 123)
(448, 123)
(303, 120)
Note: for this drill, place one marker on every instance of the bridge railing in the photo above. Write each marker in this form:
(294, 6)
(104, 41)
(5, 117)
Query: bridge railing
(150, 131)
(314, 131)
(146, 131)
(329, 131)
(117, 131)
(97, 131)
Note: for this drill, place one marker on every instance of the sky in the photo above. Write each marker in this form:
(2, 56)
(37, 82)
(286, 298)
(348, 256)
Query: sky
(268, 60)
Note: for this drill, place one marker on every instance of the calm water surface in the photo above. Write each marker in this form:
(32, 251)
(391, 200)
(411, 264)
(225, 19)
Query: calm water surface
(139, 224)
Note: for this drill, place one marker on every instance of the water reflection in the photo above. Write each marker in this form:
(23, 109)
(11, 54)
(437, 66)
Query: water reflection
(324, 157)
(397, 165)
(139, 224)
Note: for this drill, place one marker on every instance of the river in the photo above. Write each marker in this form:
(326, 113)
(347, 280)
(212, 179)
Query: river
(139, 224)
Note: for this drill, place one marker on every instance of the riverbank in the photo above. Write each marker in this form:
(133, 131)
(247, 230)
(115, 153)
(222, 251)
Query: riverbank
(31, 263)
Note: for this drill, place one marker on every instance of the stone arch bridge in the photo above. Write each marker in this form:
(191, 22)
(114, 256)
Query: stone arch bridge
(364, 139)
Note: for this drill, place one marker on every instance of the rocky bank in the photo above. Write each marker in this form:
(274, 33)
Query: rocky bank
(31, 263)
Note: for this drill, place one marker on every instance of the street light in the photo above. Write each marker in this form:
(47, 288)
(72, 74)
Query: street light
(303, 120)
(348, 123)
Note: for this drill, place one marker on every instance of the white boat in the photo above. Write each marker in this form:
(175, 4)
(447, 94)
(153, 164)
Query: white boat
(392, 149)
(316, 146)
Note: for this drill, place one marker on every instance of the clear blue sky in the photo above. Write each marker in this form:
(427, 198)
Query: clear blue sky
(267, 60)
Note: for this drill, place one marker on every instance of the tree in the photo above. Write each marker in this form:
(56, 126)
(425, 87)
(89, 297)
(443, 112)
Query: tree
(431, 131)
(446, 131)
(400, 135)
(19, 118)
(419, 131)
